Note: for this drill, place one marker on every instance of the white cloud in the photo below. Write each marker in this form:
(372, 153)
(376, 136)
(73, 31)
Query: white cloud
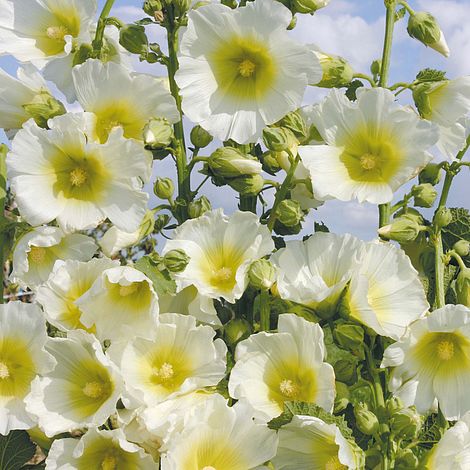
(336, 31)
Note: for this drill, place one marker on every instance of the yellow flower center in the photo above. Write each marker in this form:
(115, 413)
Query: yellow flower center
(246, 68)
(78, 177)
(208, 468)
(57, 32)
(289, 389)
(445, 350)
(93, 389)
(125, 291)
(222, 275)
(334, 464)
(368, 161)
(109, 463)
(164, 373)
(4, 372)
(37, 254)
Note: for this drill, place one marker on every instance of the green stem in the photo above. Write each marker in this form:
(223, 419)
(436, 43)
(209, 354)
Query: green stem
(98, 41)
(437, 237)
(365, 77)
(283, 190)
(264, 311)
(408, 8)
(184, 185)
(384, 209)
(3, 196)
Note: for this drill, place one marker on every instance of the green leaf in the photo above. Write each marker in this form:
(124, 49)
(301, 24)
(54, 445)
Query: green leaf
(458, 229)
(352, 89)
(162, 281)
(15, 450)
(320, 227)
(431, 75)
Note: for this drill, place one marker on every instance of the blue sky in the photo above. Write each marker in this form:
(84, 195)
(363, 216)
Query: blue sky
(354, 30)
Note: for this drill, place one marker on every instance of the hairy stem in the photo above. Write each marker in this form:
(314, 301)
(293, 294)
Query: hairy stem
(264, 311)
(3, 196)
(184, 185)
(384, 209)
(98, 41)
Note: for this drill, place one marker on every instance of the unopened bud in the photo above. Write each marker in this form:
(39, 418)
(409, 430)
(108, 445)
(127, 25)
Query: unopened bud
(181, 6)
(164, 188)
(295, 123)
(237, 330)
(336, 71)
(406, 423)
(462, 248)
(376, 67)
(249, 185)
(279, 139)
(345, 371)
(424, 27)
(229, 162)
(393, 405)
(366, 421)
(44, 107)
(199, 207)
(308, 6)
(289, 213)
(176, 261)
(406, 460)
(262, 274)
(403, 230)
(424, 195)
(133, 38)
(443, 217)
(270, 162)
(200, 138)
(152, 6)
(430, 174)
(158, 134)
(462, 287)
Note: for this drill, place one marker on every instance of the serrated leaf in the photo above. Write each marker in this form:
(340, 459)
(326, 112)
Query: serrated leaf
(320, 227)
(162, 282)
(15, 450)
(352, 89)
(458, 229)
(431, 75)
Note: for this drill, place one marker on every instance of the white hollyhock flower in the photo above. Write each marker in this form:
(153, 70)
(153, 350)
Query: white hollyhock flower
(67, 283)
(36, 252)
(179, 358)
(432, 362)
(82, 390)
(59, 71)
(62, 174)
(221, 249)
(446, 103)
(21, 97)
(452, 452)
(22, 358)
(315, 272)
(190, 302)
(106, 450)
(310, 443)
(122, 303)
(38, 30)
(99, 88)
(373, 146)
(240, 70)
(386, 293)
(166, 419)
(216, 436)
(272, 368)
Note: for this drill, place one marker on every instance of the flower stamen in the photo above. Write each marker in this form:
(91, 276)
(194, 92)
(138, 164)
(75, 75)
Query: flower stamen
(109, 463)
(37, 254)
(288, 388)
(164, 373)
(78, 177)
(246, 68)
(4, 371)
(125, 291)
(93, 389)
(445, 350)
(57, 32)
(368, 161)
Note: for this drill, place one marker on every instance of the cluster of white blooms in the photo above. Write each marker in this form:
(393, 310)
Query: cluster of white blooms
(231, 348)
